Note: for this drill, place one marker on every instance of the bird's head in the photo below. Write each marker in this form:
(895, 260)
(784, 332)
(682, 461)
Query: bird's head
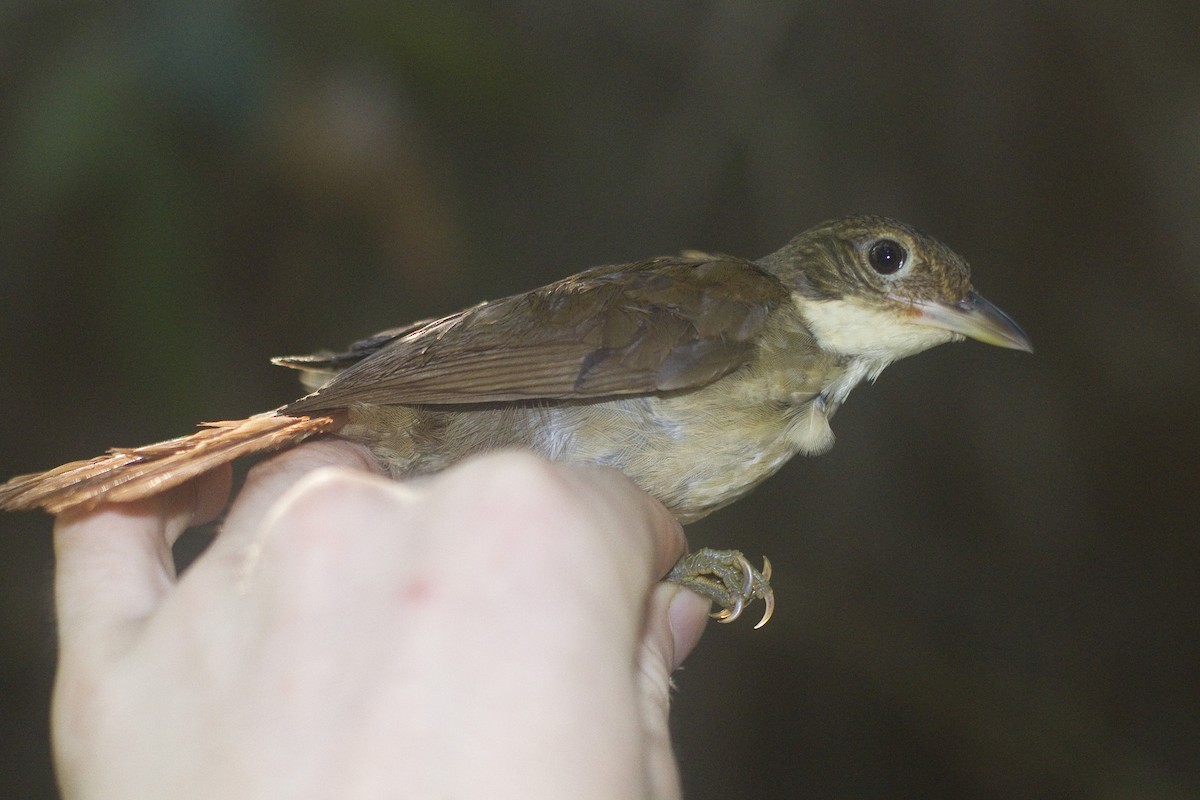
(875, 288)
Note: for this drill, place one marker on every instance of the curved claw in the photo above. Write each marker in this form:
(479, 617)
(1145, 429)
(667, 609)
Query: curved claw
(730, 614)
(715, 574)
(769, 597)
(769, 602)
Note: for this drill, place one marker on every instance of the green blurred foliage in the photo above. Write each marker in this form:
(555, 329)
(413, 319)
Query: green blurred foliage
(988, 589)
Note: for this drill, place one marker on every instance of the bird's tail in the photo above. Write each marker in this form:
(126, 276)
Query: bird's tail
(133, 473)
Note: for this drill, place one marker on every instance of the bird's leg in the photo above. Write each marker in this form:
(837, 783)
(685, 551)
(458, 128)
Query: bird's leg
(726, 578)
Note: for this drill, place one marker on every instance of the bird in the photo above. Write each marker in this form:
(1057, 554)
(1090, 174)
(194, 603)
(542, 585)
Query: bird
(697, 375)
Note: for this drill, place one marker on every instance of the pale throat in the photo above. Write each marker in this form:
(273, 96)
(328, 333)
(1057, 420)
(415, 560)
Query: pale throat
(855, 327)
(866, 335)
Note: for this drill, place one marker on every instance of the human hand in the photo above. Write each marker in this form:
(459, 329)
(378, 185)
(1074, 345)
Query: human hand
(493, 631)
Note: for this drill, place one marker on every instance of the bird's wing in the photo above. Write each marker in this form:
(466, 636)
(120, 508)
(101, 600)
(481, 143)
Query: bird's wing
(658, 325)
(316, 369)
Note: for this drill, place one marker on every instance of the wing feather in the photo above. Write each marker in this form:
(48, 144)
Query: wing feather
(658, 325)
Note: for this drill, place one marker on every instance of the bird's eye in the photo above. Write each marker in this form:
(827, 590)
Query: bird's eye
(887, 256)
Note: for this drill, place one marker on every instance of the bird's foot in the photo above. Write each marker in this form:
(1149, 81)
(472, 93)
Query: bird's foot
(726, 578)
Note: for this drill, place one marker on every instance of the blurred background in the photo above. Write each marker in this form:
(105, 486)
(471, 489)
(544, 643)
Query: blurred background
(988, 589)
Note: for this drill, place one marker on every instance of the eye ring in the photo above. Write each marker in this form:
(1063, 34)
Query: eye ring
(887, 256)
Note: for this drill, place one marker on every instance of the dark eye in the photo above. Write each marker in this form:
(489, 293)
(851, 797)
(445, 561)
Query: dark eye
(887, 256)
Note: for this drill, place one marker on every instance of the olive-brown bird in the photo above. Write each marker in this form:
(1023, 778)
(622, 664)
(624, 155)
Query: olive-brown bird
(698, 376)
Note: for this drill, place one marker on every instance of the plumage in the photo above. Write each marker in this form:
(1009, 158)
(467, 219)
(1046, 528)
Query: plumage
(133, 473)
(658, 325)
(697, 375)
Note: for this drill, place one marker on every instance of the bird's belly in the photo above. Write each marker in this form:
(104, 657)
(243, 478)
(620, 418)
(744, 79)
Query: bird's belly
(688, 454)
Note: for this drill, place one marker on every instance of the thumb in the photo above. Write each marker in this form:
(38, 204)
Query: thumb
(675, 620)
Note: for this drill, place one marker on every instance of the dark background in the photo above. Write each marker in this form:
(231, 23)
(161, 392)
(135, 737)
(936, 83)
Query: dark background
(988, 589)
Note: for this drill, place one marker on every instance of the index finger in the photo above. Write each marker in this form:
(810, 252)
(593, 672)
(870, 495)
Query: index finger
(113, 564)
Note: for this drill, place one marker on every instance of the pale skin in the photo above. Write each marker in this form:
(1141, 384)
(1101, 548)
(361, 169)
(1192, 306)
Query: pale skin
(498, 630)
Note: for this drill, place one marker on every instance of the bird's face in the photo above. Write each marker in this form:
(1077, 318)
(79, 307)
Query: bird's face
(874, 288)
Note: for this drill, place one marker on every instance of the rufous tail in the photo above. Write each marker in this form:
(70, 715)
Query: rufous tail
(134, 473)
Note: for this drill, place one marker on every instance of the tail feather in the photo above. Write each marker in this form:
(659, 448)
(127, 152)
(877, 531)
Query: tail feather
(134, 473)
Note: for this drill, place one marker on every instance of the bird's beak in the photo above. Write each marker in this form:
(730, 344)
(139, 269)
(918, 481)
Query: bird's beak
(977, 318)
